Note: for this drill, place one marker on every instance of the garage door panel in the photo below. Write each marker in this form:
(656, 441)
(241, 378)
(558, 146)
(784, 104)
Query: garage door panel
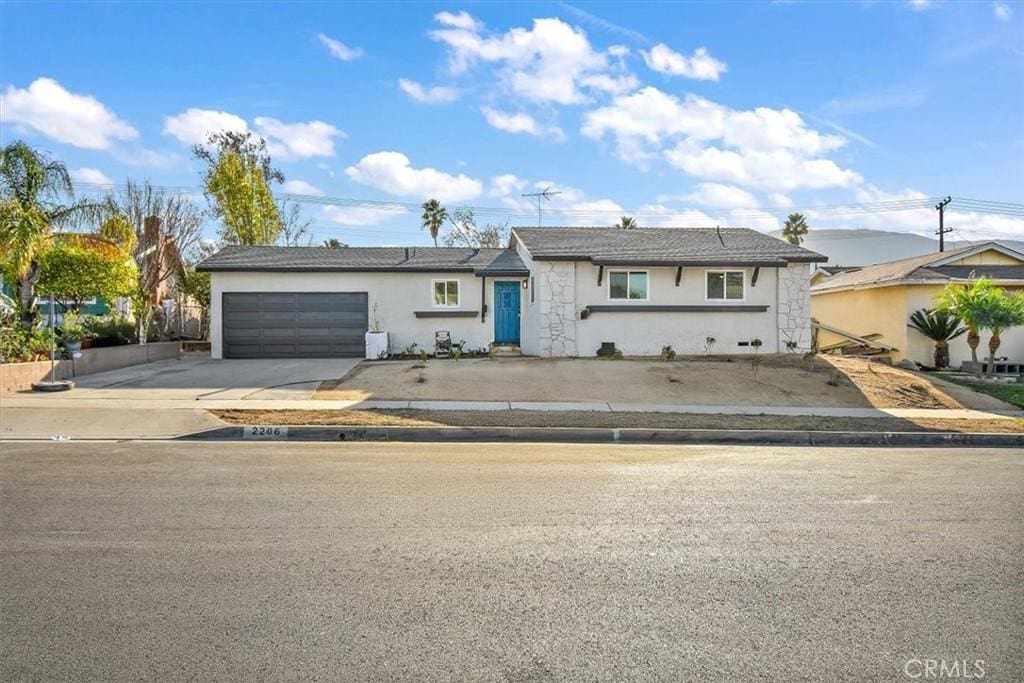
(294, 324)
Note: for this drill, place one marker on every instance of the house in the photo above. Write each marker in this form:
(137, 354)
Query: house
(553, 292)
(879, 299)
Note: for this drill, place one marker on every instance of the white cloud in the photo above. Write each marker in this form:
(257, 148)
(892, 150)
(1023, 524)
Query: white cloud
(780, 200)
(1002, 11)
(548, 63)
(287, 141)
(298, 140)
(701, 65)
(339, 49)
(506, 185)
(718, 195)
(194, 126)
(90, 175)
(920, 5)
(301, 187)
(358, 215)
(463, 20)
(763, 147)
(520, 122)
(433, 95)
(48, 108)
(661, 216)
(391, 172)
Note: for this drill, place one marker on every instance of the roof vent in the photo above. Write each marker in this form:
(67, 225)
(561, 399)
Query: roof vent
(407, 253)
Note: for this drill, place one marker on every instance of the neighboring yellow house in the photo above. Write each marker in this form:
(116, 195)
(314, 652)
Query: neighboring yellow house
(879, 299)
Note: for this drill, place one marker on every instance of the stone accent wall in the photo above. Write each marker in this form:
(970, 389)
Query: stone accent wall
(556, 294)
(794, 314)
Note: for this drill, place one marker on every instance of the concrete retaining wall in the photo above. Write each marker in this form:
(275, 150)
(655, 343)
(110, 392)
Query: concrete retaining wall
(21, 376)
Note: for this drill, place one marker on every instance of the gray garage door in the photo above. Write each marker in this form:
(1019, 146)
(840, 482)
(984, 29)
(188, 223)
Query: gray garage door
(294, 325)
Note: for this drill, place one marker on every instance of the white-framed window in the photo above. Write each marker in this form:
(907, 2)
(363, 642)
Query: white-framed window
(725, 285)
(628, 285)
(446, 293)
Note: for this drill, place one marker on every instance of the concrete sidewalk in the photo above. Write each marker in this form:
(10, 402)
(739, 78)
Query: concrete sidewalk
(46, 415)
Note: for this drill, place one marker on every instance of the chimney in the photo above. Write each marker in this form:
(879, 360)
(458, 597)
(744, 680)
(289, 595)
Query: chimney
(151, 231)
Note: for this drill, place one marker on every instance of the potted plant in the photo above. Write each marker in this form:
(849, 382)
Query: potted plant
(71, 332)
(377, 342)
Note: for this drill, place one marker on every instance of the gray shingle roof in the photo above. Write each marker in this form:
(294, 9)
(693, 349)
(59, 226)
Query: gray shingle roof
(364, 259)
(662, 246)
(921, 268)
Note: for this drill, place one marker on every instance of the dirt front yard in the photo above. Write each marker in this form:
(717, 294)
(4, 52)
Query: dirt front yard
(537, 418)
(829, 381)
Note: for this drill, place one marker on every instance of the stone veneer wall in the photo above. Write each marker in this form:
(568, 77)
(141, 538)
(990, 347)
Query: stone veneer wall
(794, 312)
(556, 291)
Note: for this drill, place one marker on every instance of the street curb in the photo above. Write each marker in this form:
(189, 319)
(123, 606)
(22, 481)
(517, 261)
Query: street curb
(341, 433)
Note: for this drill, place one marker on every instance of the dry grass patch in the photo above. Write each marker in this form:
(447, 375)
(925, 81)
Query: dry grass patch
(532, 418)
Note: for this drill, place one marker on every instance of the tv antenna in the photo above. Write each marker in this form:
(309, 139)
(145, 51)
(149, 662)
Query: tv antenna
(545, 194)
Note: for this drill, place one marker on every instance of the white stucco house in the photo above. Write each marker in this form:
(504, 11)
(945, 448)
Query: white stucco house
(551, 292)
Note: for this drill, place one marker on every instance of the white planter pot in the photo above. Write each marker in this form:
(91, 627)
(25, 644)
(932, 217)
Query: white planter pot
(377, 345)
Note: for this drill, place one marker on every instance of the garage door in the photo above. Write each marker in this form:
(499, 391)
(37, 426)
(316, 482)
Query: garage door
(294, 324)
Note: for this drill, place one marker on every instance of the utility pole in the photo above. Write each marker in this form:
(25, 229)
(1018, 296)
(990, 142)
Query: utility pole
(941, 232)
(545, 194)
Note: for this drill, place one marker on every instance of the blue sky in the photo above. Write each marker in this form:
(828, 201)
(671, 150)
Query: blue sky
(682, 114)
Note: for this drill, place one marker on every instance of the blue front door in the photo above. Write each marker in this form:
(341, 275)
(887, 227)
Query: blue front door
(506, 312)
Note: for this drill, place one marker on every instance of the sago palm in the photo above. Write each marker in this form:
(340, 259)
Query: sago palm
(940, 327)
(795, 228)
(434, 216)
(36, 195)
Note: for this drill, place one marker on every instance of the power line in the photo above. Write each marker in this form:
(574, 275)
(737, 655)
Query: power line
(885, 206)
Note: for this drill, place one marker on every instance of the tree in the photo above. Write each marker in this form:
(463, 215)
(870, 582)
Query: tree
(940, 327)
(465, 233)
(795, 229)
(968, 302)
(237, 185)
(626, 222)
(1000, 313)
(36, 194)
(194, 286)
(79, 267)
(294, 226)
(181, 221)
(434, 216)
(334, 243)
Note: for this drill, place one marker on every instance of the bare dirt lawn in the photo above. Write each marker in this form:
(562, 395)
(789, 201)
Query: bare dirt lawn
(775, 380)
(536, 418)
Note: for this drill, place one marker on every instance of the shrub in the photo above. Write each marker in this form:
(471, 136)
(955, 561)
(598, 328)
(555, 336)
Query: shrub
(668, 353)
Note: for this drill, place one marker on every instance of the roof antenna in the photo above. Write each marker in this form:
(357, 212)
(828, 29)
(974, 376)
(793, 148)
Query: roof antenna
(718, 231)
(545, 194)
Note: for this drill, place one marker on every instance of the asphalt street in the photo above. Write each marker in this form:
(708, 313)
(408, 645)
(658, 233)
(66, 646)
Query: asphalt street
(242, 561)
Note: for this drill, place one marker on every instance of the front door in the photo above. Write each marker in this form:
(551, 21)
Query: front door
(506, 312)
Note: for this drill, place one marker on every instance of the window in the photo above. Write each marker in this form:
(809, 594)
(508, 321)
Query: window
(627, 285)
(728, 285)
(446, 293)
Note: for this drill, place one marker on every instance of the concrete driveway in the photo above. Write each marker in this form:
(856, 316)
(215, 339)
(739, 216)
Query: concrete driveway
(205, 378)
(161, 399)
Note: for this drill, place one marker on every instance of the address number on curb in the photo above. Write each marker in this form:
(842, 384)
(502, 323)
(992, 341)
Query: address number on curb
(261, 432)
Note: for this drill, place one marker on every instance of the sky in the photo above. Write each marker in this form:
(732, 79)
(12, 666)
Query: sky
(678, 113)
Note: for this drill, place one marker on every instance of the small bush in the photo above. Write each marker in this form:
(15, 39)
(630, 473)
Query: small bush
(668, 353)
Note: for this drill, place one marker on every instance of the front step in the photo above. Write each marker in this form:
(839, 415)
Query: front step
(506, 350)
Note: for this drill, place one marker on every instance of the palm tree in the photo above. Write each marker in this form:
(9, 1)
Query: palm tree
(627, 222)
(1001, 312)
(34, 194)
(795, 228)
(334, 243)
(434, 216)
(968, 302)
(940, 327)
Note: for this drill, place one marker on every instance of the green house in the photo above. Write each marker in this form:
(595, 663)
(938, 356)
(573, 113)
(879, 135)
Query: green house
(93, 306)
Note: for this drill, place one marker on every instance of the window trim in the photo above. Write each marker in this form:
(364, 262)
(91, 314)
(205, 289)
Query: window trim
(725, 297)
(627, 271)
(458, 292)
